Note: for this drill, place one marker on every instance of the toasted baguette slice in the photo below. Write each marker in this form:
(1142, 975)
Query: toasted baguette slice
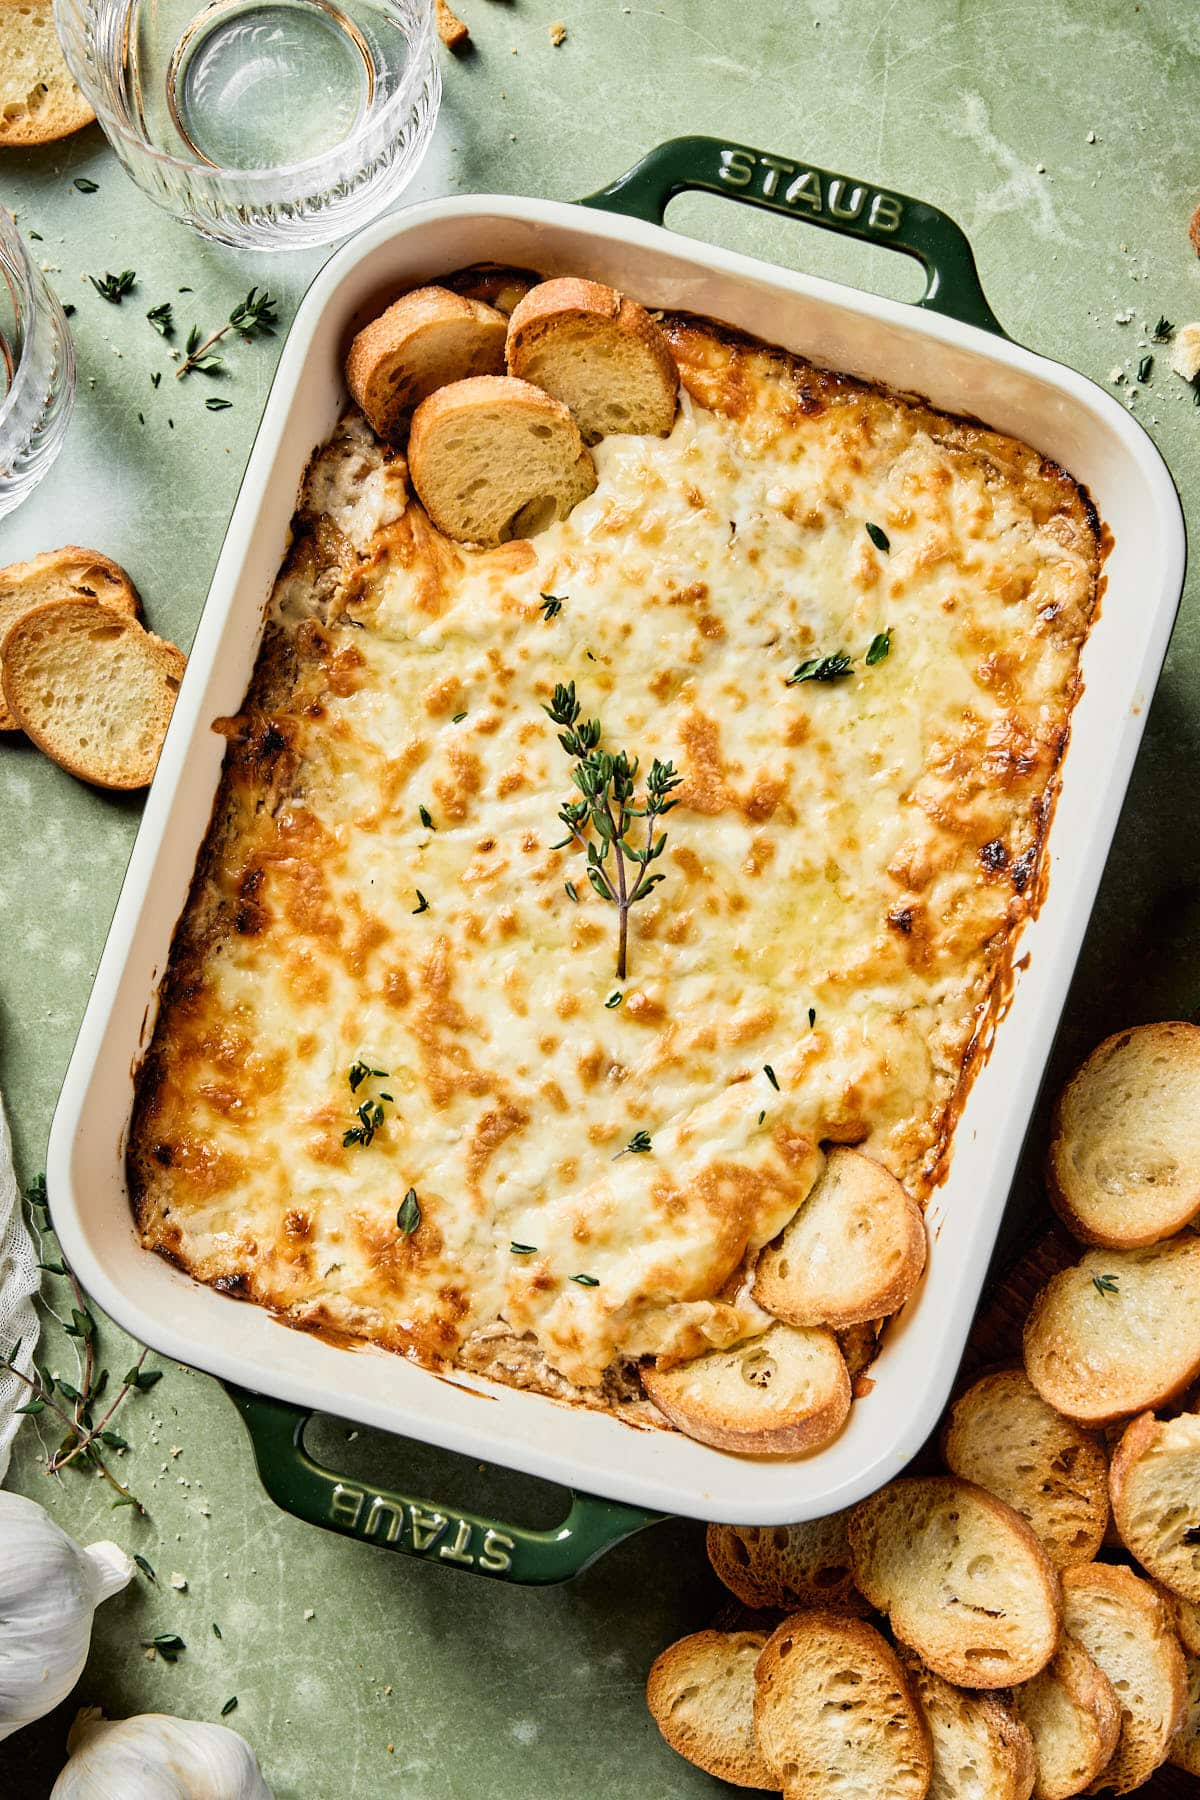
(1155, 1480)
(781, 1394)
(962, 1578)
(71, 573)
(1074, 1717)
(1185, 1746)
(834, 1713)
(700, 1692)
(493, 459)
(787, 1566)
(1002, 1435)
(1118, 1333)
(854, 1251)
(598, 352)
(1124, 1163)
(980, 1747)
(92, 689)
(423, 341)
(1185, 1617)
(1126, 1630)
(39, 101)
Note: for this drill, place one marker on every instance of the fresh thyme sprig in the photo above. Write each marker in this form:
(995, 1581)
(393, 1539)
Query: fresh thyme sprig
(253, 317)
(85, 1438)
(1105, 1284)
(599, 821)
(640, 1144)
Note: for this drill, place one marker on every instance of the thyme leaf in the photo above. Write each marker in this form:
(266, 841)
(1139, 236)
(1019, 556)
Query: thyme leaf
(639, 1145)
(162, 318)
(584, 1280)
(878, 648)
(552, 605)
(113, 288)
(821, 668)
(879, 537)
(1105, 1284)
(409, 1216)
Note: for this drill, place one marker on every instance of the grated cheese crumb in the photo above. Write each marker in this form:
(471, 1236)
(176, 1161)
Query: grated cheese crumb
(179, 1582)
(558, 32)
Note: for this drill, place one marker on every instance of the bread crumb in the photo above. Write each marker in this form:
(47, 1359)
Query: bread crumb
(453, 33)
(1091, 137)
(1116, 375)
(1185, 352)
(310, 1612)
(558, 32)
(179, 1582)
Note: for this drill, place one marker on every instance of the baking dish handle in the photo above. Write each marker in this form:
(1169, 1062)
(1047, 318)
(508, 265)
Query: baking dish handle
(799, 190)
(319, 1496)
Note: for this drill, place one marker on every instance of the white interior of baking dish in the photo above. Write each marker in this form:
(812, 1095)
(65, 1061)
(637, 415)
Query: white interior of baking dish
(958, 368)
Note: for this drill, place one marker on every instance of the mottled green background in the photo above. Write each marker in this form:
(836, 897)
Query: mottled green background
(986, 107)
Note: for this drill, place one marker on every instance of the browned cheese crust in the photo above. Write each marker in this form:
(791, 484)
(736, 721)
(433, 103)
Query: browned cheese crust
(863, 850)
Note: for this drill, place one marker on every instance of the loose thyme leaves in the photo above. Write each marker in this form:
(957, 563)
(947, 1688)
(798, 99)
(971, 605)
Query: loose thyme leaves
(458, 718)
(1105, 1284)
(879, 537)
(426, 818)
(584, 1280)
(215, 404)
(409, 1216)
(812, 1017)
(1144, 368)
(572, 891)
(422, 903)
(552, 605)
(638, 1145)
(878, 648)
(229, 1706)
(216, 1629)
(145, 1567)
(598, 823)
(771, 1076)
(613, 1000)
(156, 378)
(762, 1115)
(370, 1116)
(1163, 332)
(114, 287)
(822, 668)
(523, 1249)
(360, 1072)
(162, 318)
(167, 1643)
(85, 186)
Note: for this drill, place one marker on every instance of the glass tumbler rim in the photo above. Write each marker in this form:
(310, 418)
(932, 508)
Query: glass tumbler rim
(69, 19)
(16, 401)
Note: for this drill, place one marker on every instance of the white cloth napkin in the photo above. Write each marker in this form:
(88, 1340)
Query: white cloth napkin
(18, 1284)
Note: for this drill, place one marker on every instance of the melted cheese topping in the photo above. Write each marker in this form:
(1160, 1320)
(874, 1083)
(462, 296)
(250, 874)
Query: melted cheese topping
(846, 871)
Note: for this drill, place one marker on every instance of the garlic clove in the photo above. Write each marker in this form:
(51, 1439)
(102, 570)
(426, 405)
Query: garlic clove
(114, 1569)
(155, 1757)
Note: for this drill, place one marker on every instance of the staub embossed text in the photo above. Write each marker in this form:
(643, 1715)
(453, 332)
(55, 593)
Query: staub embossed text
(811, 191)
(430, 1533)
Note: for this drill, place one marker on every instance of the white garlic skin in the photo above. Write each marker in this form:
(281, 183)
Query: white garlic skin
(49, 1589)
(155, 1757)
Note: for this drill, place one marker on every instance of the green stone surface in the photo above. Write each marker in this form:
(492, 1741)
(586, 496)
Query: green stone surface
(1062, 136)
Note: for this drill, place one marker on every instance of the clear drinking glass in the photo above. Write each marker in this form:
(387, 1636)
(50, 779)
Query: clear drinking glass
(268, 124)
(37, 370)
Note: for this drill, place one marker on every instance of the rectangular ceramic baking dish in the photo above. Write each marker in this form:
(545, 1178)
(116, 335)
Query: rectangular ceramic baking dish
(947, 347)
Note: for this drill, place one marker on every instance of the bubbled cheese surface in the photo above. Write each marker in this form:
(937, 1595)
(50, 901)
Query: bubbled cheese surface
(846, 872)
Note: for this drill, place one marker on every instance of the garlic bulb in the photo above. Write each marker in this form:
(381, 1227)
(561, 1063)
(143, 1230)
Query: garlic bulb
(154, 1757)
(49, 1589)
